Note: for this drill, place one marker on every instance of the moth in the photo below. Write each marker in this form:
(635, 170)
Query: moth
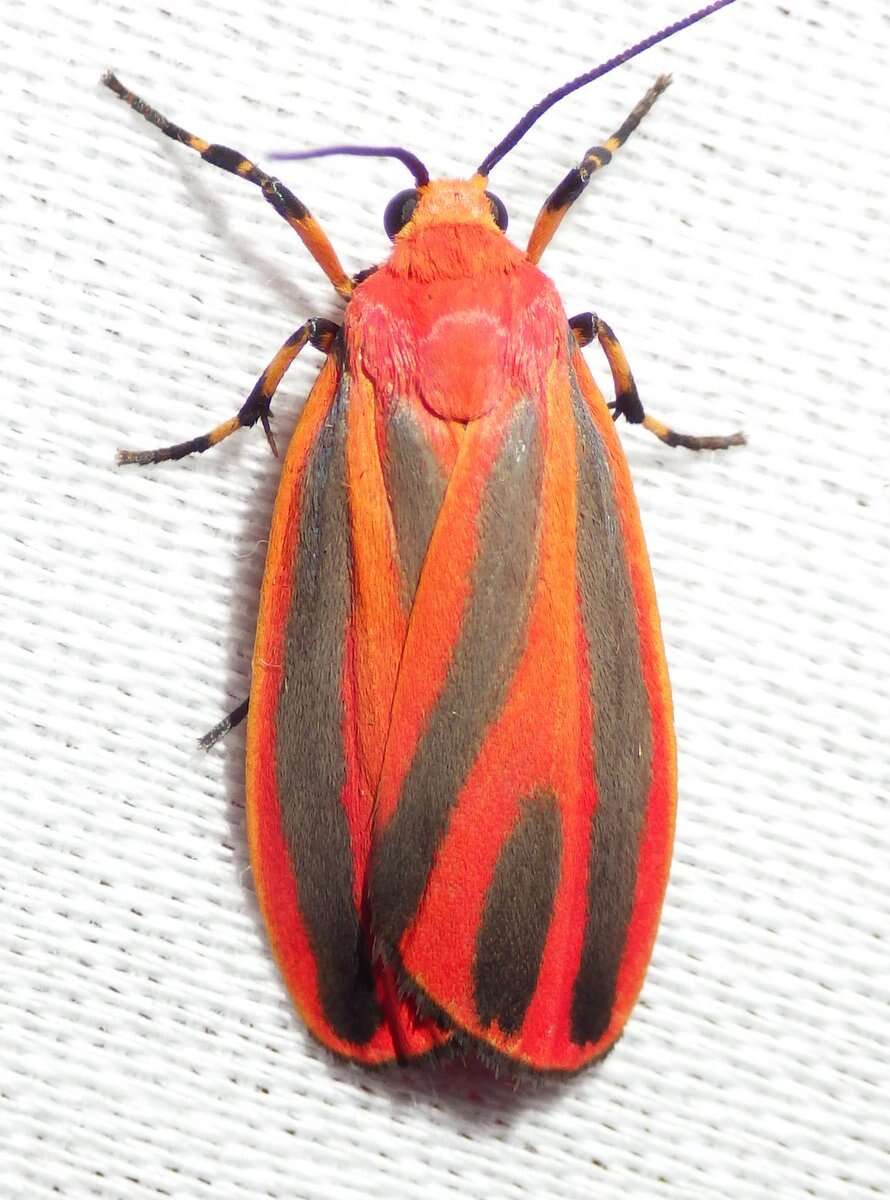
(461, 773)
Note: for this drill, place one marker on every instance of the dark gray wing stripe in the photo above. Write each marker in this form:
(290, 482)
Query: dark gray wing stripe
(415, 485)
(622, 735)
(311, 767)
(517, 913)
(493, 635)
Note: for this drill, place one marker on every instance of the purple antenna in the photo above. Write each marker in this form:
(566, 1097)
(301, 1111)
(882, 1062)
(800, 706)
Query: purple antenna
(520, 130)
(411, 161)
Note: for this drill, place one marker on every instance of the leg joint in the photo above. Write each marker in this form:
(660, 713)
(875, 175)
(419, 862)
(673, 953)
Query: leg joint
(322, 333)
(585, 327)
(283, 200)
(232, 161)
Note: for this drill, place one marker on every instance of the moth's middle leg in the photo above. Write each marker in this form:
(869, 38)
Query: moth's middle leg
(587, 327)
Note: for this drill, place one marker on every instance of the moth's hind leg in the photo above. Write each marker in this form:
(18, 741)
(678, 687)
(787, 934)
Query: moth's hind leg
(587, 327)
(226, 725)
(257, 407)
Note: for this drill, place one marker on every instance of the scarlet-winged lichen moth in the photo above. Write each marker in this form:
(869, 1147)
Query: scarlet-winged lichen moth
(460, 756)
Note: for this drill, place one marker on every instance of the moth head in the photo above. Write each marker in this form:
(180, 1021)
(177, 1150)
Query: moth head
(444, 202)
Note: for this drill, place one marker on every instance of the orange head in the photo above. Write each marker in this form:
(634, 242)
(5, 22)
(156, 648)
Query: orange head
(444, 202)
(448, 228)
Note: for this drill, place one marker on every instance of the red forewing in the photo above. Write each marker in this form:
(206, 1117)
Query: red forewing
(313, 752)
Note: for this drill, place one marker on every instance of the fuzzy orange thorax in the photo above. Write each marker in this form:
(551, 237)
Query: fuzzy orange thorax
(457, 319)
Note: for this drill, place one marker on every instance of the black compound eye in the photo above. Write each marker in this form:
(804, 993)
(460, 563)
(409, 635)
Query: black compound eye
(498, 211)
(399, 211)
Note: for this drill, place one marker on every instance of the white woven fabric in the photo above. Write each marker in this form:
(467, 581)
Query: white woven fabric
(739, 247)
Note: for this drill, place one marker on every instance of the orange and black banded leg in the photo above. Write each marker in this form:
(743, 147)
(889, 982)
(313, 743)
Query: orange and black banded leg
(281, 198)
(567, 192)
(257, 407)
(587, 327)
